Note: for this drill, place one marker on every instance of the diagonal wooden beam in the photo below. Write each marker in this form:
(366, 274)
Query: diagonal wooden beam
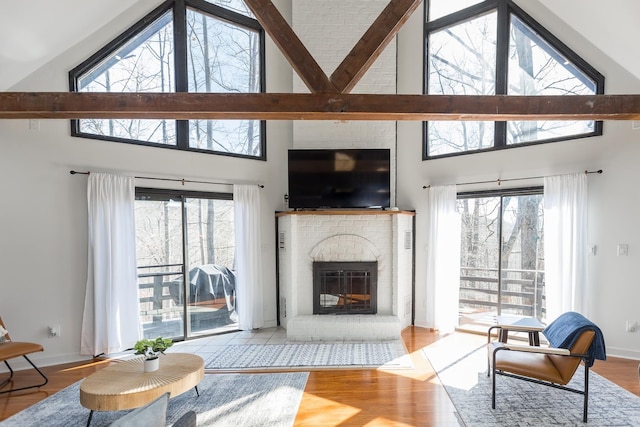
(372, 43)
(278, 106)
(291, 46)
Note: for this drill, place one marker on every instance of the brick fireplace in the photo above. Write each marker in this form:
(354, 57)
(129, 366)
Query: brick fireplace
(350, 238)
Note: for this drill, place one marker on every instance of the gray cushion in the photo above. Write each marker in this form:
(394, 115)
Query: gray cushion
(153, 414)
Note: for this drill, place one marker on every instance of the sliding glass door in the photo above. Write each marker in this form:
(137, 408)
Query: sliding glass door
(185, 248)
(502, 258)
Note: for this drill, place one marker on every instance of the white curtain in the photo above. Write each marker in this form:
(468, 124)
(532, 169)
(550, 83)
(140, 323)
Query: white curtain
(443, 258)
(110, 322)
(565, 244)
(248, 257)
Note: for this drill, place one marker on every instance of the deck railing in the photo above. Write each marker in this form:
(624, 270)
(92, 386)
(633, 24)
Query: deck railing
(156, 302)
(521, 292)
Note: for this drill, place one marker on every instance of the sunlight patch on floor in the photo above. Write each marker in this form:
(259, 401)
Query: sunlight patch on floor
(325, 412)
(469, 349)
(421, 368)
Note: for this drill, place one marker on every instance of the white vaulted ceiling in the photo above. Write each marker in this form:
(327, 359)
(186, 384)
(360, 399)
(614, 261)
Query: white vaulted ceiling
(33, 32)
(612, 26)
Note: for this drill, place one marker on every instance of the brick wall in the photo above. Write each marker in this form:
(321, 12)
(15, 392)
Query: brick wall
(329, 29)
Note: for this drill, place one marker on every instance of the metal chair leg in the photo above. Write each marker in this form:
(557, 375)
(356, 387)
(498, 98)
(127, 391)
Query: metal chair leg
(46, 380)
(8, 380)
(493, 383)
(586, 392)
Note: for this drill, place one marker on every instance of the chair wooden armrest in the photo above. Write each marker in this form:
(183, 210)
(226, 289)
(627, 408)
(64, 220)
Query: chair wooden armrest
(535, 349)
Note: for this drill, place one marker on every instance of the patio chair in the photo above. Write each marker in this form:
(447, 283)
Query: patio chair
(572, 339)
(12, 349)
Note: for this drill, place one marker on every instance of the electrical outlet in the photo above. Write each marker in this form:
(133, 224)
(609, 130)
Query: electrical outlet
(54, 331)
(623, 249)
(630, 326)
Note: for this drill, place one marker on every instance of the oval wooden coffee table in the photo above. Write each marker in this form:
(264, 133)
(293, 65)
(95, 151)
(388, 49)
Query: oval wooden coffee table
(125, 385)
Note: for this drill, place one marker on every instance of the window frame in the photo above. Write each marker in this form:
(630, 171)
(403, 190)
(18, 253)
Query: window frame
(504, 10)
(537, 190)
(179, 10)
(161, 194)
(166, 194)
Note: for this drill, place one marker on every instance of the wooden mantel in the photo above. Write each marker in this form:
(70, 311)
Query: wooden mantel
(347, 212)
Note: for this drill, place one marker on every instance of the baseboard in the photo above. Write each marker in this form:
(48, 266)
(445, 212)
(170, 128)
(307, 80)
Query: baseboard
(624, 353)
(424, 325)
(270, 324)
(19, 363)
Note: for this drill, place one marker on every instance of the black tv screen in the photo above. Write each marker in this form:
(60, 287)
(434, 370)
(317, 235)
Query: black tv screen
(337, 178)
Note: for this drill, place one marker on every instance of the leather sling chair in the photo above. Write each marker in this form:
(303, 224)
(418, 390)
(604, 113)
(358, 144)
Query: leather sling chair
(552, 367)
(12, 349)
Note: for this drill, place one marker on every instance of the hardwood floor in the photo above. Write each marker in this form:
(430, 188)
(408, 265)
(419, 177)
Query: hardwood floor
(340, 397)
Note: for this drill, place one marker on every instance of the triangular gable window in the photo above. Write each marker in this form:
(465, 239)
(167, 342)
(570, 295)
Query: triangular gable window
(495, 48)
(214, 47)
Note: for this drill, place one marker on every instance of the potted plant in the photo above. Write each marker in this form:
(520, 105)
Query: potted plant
(151, 349)
(3, 334)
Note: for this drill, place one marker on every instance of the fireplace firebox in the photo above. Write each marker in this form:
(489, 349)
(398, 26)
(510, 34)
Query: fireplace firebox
(345, 287)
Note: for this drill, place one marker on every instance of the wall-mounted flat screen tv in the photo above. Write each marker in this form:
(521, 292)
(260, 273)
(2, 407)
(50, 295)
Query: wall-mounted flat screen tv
(339, 178)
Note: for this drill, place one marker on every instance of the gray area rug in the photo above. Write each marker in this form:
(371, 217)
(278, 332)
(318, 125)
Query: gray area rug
(387, 354)
(225, 400)
(463, 372)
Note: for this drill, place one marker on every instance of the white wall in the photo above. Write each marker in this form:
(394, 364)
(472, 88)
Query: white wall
(43, 216)
(613, 196)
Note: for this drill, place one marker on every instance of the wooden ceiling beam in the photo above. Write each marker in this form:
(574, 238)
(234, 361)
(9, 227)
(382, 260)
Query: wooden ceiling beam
(372, 44)
(280, 106)
(291, 46)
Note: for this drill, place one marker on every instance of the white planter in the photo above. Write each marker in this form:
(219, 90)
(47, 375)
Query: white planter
(151, 365)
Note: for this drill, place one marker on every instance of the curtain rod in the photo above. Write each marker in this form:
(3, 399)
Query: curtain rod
(182, 180)
(500, 181)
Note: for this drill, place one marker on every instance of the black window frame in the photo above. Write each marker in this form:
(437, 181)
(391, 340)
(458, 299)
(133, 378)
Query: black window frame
(179, 10)
(504, 8)
(537, 190)
(503, 192)
(164, 194)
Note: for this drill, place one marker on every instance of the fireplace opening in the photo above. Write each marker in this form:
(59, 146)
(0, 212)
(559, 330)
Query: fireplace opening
(345, 287)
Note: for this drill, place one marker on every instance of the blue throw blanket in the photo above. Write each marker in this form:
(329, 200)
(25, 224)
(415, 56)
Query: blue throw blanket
(566, 329)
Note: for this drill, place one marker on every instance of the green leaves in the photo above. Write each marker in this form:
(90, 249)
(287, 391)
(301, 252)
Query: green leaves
(151, 348)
